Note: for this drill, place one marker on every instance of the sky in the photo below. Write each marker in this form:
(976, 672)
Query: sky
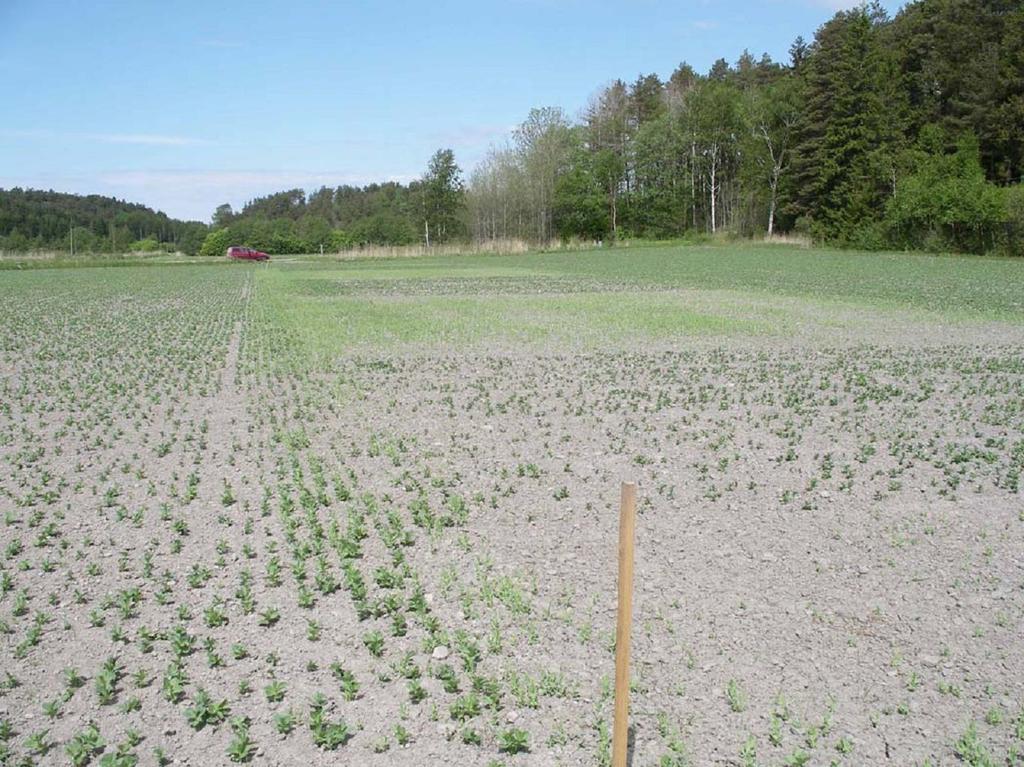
(184, 105)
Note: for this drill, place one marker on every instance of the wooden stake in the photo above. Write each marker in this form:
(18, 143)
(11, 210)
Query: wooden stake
(627, 525)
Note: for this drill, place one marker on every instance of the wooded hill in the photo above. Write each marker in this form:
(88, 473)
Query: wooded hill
(33, 219)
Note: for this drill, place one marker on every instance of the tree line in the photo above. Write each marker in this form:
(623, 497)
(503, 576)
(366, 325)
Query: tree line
(904, 132)
(37, 220)
(430, 209)
(901, 132)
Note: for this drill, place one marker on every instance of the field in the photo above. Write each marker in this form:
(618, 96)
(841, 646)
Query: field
(317, 512)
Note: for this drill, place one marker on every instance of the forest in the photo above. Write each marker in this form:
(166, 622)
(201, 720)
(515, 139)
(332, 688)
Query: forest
(37, 220)
(903, 132)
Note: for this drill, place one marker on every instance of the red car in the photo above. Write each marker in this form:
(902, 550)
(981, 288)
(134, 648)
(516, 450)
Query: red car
(247, 254)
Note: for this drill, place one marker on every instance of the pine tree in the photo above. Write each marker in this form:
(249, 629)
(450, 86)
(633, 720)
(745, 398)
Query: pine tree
(839, 184)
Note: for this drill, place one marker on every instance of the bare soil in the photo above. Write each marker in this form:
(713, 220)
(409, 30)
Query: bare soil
(829, 562)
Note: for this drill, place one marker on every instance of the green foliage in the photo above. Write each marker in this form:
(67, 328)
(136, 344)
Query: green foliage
(513, 741)
(946, 203)
(83, 745)
(581, 207)
(147, 245)
(241, 748)
(970, 749)
(328, 219)
(465, 707)
(845, 130)
(817, 147)
(206, 711)
(33, 219)
(443, 197)
(1012, 241)
(216, 243)
(383, 228)
(326, 734)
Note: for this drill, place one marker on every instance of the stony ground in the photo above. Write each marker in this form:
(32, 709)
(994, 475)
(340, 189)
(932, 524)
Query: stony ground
(217, 547)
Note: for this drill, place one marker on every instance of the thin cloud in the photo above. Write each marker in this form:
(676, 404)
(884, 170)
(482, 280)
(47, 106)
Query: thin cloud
(471, 135)
(238, 181)
(145, 139)
(704, 25)
(142, 139)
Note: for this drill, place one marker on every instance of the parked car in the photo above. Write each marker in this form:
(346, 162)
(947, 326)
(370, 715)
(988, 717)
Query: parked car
(247, 254)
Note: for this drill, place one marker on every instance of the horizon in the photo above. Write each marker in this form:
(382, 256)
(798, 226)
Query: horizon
(296, 100)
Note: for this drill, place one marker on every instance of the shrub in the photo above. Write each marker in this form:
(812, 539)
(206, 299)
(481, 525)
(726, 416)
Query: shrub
(216, 243)
(148, 245)
(946, 204)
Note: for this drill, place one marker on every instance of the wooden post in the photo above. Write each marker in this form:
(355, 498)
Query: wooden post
(627, 525)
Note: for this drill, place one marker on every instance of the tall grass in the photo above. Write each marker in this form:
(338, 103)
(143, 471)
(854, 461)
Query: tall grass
(795, 240)
(482, 247)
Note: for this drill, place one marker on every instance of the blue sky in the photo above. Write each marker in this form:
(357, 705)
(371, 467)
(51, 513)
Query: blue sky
(183, 105)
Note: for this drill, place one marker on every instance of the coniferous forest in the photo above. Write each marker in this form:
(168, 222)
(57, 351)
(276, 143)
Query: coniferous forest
(903, 132)
(36, 220)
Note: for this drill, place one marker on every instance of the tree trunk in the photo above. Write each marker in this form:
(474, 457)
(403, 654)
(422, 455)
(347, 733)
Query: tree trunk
(714, 174)
(615, 227)
(693, 186)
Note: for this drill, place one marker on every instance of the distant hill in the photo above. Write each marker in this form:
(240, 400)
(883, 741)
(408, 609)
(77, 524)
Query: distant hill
(33, 219)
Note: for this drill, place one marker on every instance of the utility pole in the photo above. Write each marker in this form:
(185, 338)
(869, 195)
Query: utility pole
(72, 240)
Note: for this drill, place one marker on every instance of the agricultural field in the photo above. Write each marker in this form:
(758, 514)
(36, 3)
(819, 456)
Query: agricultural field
(320, 512)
